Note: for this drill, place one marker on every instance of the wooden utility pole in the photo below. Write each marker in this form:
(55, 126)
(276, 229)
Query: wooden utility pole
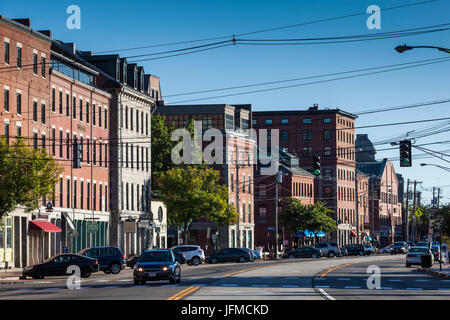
(407, 211)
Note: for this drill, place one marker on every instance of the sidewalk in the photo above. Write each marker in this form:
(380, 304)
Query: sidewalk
(10, 274)
(435, 270)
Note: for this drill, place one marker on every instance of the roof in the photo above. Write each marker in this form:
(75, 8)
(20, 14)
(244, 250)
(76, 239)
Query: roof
(372, 168)
(304, 112)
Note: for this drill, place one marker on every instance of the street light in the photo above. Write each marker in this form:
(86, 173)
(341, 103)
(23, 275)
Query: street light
(435, 165)
(403, 48)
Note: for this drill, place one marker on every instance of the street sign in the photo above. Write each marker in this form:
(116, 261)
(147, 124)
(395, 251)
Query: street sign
(91, 227)
(418, 213)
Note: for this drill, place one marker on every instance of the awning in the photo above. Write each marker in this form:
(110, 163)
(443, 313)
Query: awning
(44, 225)
(353, 233)
(307, 233)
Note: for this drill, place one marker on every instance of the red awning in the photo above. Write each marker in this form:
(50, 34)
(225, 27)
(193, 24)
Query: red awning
(353, 233)
(44, 225)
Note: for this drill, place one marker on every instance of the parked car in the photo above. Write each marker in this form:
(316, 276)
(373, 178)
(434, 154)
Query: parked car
(423, 244)
(369, 249)
(399, 247)
(358, 250)
(258, 254)
(343, 251)
(194, 255)
(436, 250)
(411, 244)
(386, 249)
(110, 259)
(58, 266)
(305, 252)
(229, 255)
(328, 249)
(252, 254)
(155, 265)
(414, 255)
(131, 261)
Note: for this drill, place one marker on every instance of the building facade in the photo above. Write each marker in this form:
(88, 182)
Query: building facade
(329, 133)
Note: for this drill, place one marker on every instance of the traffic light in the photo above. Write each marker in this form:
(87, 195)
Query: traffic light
(405, 153)
(316, 165)
(77, 155)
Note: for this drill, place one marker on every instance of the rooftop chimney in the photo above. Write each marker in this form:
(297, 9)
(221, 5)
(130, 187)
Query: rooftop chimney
(48, 33)
(315, 107)
(25, 21)
(69, 46)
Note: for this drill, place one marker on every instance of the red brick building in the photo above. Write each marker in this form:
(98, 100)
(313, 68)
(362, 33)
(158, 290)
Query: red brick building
(363, 228)
(296, 183)
(330, 133)
(233, 121)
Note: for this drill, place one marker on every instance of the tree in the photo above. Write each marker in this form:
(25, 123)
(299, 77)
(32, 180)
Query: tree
(444, 214)
(299, 217)
(192, 193)
(26, 176)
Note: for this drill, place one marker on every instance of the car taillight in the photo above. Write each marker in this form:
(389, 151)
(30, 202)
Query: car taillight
(183, 255)
(123, 256)
(96, 262)
(410, 256)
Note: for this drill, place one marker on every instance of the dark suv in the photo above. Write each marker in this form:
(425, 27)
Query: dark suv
(230, 255)
(359, 249)
(155, 265)
(110, 259)
(400, 247)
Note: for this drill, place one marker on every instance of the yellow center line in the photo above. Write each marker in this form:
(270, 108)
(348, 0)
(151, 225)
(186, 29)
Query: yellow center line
(179, 293)
(337, 267)
(186, 293)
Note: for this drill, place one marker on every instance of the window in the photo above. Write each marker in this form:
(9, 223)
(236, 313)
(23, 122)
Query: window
(229, 122)
(328, 192)
(35, 116)
(88, 198)
(232, 181)
(284, 135)
(19, 103)
(100, 154)
(43, 113)
(94, 194)
(81, 194)
(100, 197)
(100, 116)
(81, 110)
(43, 67)
(19, 131)
(268, 121)
(146, 158)
(132, 197)
(307, 121)
(87, 112)
(137, 120)
(53, 141)
(132, 156)
(284, 121)
(126, 155)
(7, 132)
(53, 100)
(60, 102)
(327, 151)
(307, 152)
(60, 143)
(243, 184)
(131, 119)
(126, 117)
(74, 107)
(327, 173)
(67, 105)
(88, 155)
(35, 65)
(6, 47)
(19, 57)
(35, 140)
(106, 118)
(67, 145)
(326, 135)
(6, 100)
(262, 192)
(94, 153)
(326, 120)
(146, 124)
(75, 194)
(307, 135)
(93, 114)
(262, 214)
(61, 202)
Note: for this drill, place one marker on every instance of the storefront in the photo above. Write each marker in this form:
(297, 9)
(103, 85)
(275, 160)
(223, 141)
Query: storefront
(39, 240)
(6, 243)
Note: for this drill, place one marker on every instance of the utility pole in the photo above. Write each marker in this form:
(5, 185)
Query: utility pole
(413, 229)
(278, 179)
(407, 211)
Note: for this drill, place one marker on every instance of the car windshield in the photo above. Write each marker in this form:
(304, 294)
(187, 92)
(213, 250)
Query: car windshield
(156, 256)
(424, 250)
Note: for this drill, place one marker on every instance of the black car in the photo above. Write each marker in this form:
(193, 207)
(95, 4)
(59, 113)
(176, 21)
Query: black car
(155, 265)
(110, 259)
(59, 266)
(306, 252)
(230, 255)
(359, 250)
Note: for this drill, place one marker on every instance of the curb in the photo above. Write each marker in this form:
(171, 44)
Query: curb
(435, 273)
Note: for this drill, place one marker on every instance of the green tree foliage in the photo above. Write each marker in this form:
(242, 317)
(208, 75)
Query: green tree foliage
(26, 176)
(444, 214)
(297, 217)
(192, 193)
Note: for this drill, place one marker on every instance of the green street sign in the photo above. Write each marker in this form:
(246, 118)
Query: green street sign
(418, 213)
(91, 227)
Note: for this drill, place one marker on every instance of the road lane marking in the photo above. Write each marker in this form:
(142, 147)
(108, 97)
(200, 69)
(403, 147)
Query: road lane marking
(318, 287)
(229, 285)
(260, 285)
(395, 280)
(110, 287)
(326, 295)
(422, 280)
(386, 288)
(444, 289)
(337, 267)
(352, 287)
(320, 278)
(414, 289)
(180, 293)
(102, 281)
(344, 279)
(290, 286)
(187, 292)
(292, 278)
(125, 280)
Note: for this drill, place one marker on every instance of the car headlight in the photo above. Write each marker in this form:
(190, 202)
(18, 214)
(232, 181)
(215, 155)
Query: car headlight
(165, 268)
(139, 269)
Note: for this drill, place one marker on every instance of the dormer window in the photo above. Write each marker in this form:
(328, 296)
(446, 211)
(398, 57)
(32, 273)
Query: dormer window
(124, 72)
(135, 78)
(118, 70)
(142, 81)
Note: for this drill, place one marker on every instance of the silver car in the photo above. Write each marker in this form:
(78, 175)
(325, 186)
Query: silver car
(436, 250)
(414, 256)
(194, 255)
(328, 249)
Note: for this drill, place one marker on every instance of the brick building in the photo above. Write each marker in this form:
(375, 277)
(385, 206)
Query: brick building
(363, 228)
(330, 133)
(233, 121)
(296, 183)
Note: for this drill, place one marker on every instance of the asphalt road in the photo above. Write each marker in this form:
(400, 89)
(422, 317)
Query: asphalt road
(304, 279)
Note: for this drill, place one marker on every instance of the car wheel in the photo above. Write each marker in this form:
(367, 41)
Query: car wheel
(39, 275)
(241, 259)
(85, 273)
(115, 268)
(331, 255)
(291, 256)
(214, 260)
(195, 261)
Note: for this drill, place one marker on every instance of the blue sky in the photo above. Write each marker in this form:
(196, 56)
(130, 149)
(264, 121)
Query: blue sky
(112, 25)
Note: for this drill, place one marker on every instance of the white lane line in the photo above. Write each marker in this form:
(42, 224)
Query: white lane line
(291, 278)
(319, 278)
(344, 279)
(326, 295)
(422, 280)
(386, 288)
(50, 288)
(102, 281)
(260, 285)
(125, 280)
(414, 289)
(395, 280)
(289, 286)
(318, 287)
(43, 282)
(169, 285)
(111, 287)
(351, 287)
(193, 278)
